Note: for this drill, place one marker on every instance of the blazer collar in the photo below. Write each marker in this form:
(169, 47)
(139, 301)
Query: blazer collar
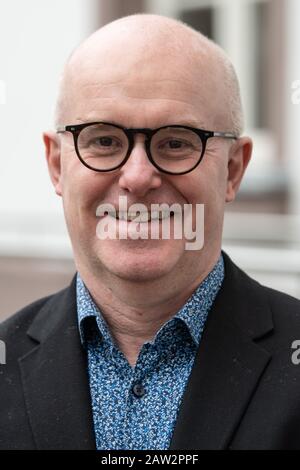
(228, 365)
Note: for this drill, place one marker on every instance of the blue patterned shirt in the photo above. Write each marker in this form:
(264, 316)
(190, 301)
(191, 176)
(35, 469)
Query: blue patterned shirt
(136, 408)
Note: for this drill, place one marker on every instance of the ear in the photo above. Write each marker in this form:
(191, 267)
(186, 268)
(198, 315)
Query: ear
(53, 156)
(239, 157)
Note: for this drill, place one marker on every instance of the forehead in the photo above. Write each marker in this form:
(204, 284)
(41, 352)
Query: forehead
(136, 86)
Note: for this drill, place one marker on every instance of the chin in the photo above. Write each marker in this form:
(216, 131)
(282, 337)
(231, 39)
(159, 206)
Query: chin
(138, 262)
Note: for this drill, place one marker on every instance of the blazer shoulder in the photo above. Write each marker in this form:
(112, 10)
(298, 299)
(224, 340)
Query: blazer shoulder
(280, 299)
(285, 309)
(20, 321)
(246, 285)
(259, 309)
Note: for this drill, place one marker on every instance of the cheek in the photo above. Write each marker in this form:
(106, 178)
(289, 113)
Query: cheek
(81, 186)
(203, 188)
(207, 187)
(82, 191)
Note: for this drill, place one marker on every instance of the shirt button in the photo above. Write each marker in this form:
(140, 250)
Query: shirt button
(138, 390)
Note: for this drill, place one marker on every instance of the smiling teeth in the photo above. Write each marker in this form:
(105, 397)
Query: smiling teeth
(141, 217)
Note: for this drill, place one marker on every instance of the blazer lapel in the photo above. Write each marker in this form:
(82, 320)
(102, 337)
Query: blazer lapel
(228, 365)
(55, 380)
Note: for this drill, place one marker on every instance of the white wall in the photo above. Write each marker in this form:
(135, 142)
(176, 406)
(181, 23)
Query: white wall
(291, 118)
(36, 37)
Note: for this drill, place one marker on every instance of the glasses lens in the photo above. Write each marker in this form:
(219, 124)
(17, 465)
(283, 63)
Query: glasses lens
(102, 146)
(176, 149)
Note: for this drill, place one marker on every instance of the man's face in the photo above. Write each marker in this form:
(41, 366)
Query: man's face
(132, 91)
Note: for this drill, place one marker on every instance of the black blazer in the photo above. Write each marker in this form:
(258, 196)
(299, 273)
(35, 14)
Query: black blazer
(243, 392)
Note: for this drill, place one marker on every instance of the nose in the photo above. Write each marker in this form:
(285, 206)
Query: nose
(138, 175)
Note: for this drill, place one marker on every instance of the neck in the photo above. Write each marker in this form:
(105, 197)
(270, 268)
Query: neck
(136, 311)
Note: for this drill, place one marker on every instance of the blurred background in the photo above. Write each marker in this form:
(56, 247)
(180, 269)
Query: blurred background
(262, 227)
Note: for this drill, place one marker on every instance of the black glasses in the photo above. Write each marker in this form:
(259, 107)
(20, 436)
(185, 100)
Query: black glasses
(173, 149)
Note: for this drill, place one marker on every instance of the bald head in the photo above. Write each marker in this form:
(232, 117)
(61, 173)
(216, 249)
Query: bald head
(139, 46)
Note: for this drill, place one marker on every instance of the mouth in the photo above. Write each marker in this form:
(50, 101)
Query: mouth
(146, 216)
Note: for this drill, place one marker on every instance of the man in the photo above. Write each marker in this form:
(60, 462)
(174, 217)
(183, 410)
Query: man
(153, 346)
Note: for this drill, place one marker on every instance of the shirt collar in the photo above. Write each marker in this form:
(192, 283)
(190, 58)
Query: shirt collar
(195, 311)
(193, 314)
(87, 309)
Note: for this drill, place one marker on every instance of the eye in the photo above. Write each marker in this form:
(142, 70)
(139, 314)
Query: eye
(105, 141)
(175, 144)
(102, 145)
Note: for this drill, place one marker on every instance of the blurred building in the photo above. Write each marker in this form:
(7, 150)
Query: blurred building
(262, 227)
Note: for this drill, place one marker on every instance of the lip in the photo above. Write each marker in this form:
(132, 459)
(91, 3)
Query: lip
(143, 217)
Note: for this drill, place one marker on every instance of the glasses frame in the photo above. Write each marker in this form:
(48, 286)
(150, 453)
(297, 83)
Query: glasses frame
(204, 135)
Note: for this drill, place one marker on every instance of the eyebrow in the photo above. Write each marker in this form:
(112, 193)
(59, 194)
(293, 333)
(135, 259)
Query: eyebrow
(185, 122)
(191, 123)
